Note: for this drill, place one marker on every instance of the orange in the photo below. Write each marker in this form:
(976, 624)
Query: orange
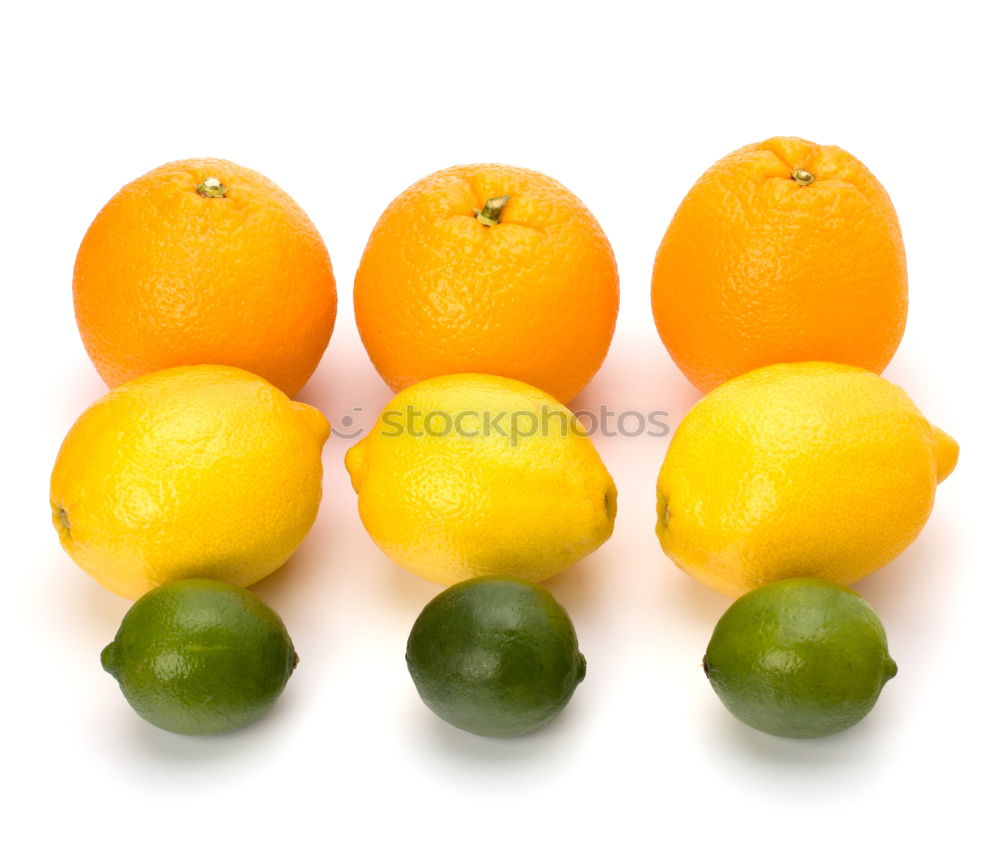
(204, 262)
(488, 269)
(782, 251)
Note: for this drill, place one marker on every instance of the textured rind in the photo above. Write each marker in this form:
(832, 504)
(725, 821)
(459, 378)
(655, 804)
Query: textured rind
(799, 658)
(755, 269)
(165, 277)
(533, 298)
(201, 657)
(458, 506)
(495, 656)
(189, 472)
(808, 469)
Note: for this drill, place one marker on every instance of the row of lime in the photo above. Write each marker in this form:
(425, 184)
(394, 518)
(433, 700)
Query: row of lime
(498, 656)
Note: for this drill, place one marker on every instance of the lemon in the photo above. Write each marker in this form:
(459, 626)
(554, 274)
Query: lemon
(468, 475)
(798, 470)
(188, 472)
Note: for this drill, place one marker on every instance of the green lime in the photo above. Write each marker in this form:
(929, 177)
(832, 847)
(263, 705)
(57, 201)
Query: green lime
(200, 657)
(495, 656)
(799, 658)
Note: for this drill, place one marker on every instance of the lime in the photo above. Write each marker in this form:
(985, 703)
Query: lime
(799, 658)
(200, 657)
(496, 656)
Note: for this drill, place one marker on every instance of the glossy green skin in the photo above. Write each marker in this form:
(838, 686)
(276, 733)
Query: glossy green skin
(799, 658)
(200, 657)
(495, 656)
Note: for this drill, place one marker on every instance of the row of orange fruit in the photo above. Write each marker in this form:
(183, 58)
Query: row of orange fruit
(782, 251)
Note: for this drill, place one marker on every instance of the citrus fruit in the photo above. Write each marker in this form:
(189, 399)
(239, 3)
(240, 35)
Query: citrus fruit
(204, 262)
(488, 269)
(495, 656)
(189, 472)
(782, 251)
(799, 658)
(471, 475)
(200, 657)
(811, 469)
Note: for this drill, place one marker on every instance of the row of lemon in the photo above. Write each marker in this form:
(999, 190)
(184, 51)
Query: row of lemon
(800, 469)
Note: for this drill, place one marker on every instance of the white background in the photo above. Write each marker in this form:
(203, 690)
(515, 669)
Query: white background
(626, 104)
